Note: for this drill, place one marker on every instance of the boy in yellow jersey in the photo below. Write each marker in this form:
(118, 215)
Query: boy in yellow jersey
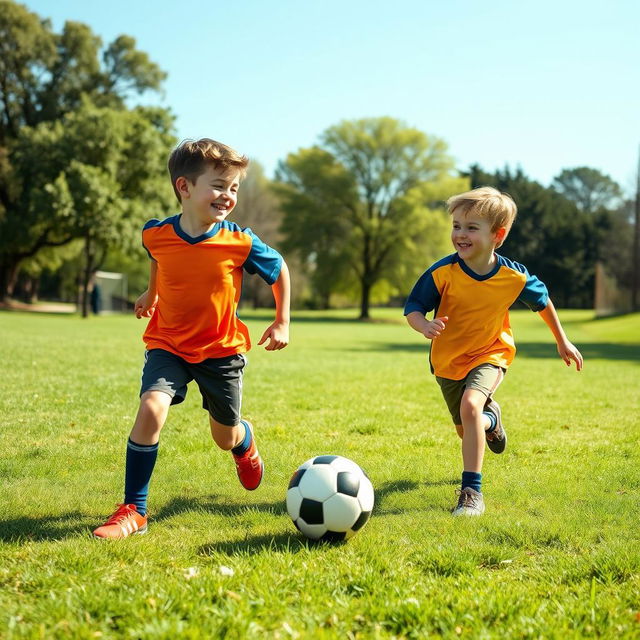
(470, 293)
(194, 333)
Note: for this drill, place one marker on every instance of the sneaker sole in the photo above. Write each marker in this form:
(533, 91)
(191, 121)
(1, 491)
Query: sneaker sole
(466, 512)
(135, 533)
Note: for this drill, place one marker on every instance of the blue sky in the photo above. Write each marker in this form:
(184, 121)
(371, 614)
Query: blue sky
(542, 85)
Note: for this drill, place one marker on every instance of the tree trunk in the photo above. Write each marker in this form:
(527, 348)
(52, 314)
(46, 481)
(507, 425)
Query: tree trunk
(32, 289)
(88, 273)
(364, 302)
(8, 279)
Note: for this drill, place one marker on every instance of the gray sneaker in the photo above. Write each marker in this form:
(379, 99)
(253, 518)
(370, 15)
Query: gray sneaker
(497, 439)
(470, 503)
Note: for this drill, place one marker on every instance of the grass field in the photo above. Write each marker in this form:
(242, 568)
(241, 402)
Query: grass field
(557, 554)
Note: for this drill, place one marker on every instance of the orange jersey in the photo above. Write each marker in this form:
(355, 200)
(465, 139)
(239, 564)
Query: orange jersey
(199, 284)
(478, 330)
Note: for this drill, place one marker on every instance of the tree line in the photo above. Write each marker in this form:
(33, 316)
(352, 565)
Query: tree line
(359, 215)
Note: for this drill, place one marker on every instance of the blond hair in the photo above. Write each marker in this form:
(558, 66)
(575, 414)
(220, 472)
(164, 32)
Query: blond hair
(191, 158)
(488, 203)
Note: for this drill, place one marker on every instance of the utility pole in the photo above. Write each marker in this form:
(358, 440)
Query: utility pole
(636, 244)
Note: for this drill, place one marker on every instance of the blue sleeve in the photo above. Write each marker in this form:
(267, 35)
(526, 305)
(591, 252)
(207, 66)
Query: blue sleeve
(147, 225)
(424, 296)
(534, 293)
(262, 259)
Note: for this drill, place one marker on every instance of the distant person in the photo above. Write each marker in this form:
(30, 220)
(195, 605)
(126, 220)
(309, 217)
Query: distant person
(472, 343)
(95, 298)
(197, 261)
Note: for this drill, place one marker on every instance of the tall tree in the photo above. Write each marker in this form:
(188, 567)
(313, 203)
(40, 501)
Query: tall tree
(588, 188)
(95, 175)
(318, 197)
(45, 76)
(258, 209)
(551, 236)
(347, 201)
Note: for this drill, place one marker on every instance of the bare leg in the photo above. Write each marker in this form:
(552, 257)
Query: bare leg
(226, 436)
(474, 424)
(152, 414)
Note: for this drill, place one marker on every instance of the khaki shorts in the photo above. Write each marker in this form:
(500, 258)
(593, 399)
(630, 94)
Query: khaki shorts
(484, 378)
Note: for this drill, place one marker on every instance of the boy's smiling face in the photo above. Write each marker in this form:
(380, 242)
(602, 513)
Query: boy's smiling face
(213, 196)
(473, 238)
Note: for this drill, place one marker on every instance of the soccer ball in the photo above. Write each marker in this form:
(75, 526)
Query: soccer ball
(329, 498)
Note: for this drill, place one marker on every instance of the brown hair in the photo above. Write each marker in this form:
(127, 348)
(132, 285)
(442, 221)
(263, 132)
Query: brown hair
(489, 203)
(191, 158)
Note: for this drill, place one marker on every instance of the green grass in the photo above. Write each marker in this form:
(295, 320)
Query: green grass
(555, 556)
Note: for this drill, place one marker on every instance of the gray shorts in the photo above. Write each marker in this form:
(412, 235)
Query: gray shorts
(219, 381)
(484, 378)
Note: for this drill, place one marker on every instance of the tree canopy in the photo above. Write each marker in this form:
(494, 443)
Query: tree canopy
(588, 188)
(553, 237)
(75, 160)
(357, 204)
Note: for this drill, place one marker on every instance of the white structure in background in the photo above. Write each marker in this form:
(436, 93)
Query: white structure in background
(113, 291)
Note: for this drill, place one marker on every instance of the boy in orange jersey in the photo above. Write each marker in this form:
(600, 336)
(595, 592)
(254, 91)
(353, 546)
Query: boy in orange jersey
(197, 261)
(472, 346)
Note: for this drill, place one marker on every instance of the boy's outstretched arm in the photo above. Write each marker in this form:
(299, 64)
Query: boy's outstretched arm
(428, 328)
(146, 303)
(566, 350)
(278, 331)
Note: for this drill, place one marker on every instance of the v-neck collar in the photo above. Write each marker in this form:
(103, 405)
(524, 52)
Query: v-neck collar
(476, 276)
(190, 239)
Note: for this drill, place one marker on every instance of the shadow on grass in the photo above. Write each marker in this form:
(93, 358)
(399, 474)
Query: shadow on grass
(69, 524)
(405, 486)
(283, 543)
(74, 523)
(216, 504)
(45, 528)
(295, 542)
(265, 317)
(589, 350)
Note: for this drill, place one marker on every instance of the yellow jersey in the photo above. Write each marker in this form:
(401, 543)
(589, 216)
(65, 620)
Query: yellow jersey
(478, 331)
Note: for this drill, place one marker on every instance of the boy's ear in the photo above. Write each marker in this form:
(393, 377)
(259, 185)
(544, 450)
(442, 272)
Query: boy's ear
(182, 186)
(501, 234)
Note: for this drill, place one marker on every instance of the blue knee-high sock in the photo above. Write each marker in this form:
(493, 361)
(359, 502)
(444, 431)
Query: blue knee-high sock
(472, 480)
(241, 448)
(141, 459)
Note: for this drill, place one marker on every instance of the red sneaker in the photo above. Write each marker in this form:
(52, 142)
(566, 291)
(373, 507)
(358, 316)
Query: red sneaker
(249, 465)
(124, 522)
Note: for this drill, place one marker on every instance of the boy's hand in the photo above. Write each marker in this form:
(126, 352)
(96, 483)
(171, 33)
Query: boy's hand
(435, 327)
(145, 305)
(569, 352)
(278, 335)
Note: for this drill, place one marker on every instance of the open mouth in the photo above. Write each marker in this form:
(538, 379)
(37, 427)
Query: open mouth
(219, 207)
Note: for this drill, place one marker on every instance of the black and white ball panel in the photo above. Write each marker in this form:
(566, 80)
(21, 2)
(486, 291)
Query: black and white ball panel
(330, 498)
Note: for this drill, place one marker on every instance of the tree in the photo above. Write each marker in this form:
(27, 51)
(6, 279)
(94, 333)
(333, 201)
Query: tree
(94, 175)
(350, 202)
(554, 239)
(258, 209)
(44, 78)
(588, 188)
(318, 196)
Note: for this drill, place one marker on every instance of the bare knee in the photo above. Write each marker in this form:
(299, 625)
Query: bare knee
(224, 435)
(152, 414)
(471, 407)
